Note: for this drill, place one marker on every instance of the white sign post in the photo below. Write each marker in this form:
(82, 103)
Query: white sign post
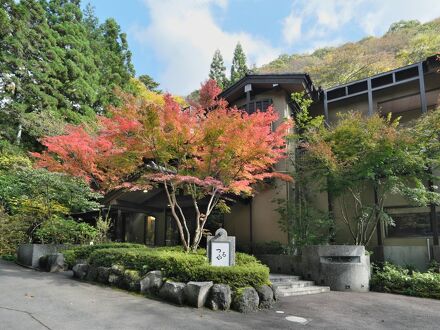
(221, 249)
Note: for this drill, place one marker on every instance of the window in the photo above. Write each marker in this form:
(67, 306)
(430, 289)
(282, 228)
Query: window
(261, 105)
(410, 222)
(171, 232)
(150, 230)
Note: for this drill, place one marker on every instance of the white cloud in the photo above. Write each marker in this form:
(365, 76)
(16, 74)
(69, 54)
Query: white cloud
(323, 22)
(291, 28)
(184, 36)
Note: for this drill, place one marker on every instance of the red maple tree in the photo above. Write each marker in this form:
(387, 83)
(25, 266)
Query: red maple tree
(204, 151)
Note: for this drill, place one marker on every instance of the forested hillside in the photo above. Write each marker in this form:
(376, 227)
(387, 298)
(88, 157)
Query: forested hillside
(58, 65)
(405, 42)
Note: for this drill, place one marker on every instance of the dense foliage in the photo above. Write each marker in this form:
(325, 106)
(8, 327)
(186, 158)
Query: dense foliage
(395, 279)
(183, 267)
(57, 230)
(360, 154)
(29, 197)
(57, 65)
(406, 42)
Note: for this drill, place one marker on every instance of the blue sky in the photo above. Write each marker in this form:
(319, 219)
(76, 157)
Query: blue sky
(174, 40)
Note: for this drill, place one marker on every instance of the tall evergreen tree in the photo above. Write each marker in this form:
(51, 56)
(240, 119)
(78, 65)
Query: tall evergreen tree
(149, 82)
(239, 67)
(218, 70)
(29, 60)
(79, 76)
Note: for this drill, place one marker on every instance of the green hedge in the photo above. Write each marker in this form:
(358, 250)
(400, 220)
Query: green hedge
(395, 279)
(84, 251)
(184, 267)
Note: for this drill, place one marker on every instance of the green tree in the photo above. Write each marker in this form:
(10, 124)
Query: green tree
(149, 82)
(29, 62)
(239, 67)
(359, 154)
(217, 71)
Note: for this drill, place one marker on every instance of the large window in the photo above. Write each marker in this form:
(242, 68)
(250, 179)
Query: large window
(410, 222)
(150, 230)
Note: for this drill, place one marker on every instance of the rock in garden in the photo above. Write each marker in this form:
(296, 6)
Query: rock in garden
(266, 296)
(152, 282)
(80, 271)
(92, 274)
(196, 293)
(246, 300)
(219, 297)
(103, 274)
(130, 280)
(52, 263)
(276, 292)
(173, 291)
(116, 275)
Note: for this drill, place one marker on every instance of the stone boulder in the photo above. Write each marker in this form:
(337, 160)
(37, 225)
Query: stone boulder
(152, 282)
(276, 292)
(219, 297)
(92, 274)
(196, 293)
(173, 291)
(116, 275)
(80, 271)
(103, 274)
(266, 296)
(52, 263)
(130, 280)
(246, 300)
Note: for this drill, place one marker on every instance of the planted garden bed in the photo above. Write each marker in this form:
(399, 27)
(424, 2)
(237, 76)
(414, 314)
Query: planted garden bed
(175, 275)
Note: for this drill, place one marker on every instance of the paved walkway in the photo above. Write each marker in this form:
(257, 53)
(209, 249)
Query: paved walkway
(35, 300)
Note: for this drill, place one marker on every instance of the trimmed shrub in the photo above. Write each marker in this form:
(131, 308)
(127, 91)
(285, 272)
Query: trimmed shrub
(395, 279)
(184, 267)
(176, 265)
(253, 274)
(84, 251)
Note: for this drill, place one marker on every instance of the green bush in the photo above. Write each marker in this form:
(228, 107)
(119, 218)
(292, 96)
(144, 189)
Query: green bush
(271, 247)
(395, 279)
(184, 267)
(84, 251)
(58, 230)
(13, 231)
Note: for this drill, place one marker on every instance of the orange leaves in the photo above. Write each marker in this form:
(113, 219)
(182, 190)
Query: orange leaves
(210, 146)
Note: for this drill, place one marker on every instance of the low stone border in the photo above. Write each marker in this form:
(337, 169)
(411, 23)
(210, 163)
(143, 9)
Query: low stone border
(195, 294)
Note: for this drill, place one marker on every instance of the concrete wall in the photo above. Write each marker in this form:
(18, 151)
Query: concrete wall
(30, 254)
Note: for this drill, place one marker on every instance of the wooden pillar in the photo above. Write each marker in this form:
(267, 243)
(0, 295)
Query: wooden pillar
(325, 106)
(251, 230)
(423, 103)
(433, 216)
(379, 223)
(370, 97)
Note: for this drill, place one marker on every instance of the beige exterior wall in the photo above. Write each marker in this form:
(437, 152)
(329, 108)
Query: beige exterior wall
(265, 218)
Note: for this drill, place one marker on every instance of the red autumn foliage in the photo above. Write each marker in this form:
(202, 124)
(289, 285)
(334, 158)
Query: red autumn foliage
(207, 150)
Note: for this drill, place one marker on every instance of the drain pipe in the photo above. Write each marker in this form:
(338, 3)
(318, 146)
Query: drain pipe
(429, 249)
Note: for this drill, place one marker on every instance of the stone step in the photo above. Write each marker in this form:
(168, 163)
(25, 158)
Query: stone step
(294, 284)
(303, 291)
(283, 278)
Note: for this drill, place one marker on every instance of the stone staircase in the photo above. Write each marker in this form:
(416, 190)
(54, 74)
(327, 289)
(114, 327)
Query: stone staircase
(291, 285)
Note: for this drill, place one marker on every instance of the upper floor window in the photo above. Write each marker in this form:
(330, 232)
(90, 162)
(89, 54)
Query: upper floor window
(261, 105)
